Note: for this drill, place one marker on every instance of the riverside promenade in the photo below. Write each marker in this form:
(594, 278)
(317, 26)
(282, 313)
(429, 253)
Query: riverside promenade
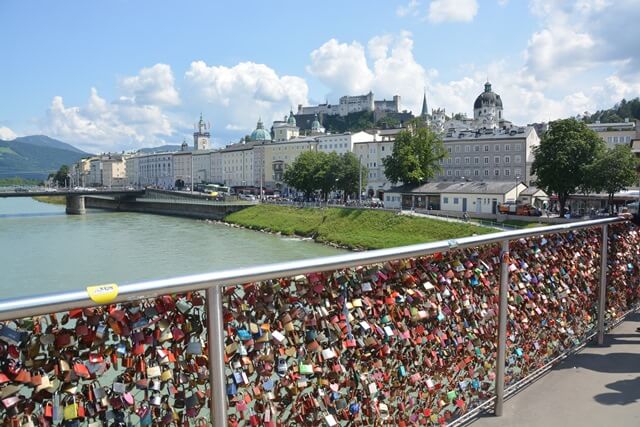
(599, 386)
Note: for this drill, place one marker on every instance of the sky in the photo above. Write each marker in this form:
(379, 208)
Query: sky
(126, 74)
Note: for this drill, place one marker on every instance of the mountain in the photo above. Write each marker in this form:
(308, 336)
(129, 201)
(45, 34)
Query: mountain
(35, 157)
(161, 149)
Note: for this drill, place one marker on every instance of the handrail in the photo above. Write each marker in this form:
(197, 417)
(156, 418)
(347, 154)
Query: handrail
(47, 303)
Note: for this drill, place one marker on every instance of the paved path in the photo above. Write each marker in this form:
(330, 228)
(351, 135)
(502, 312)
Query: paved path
(600, 386)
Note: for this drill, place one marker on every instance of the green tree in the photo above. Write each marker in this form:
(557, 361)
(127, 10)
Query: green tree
(61, 178)
(350, 173)
(415, 158)
(388, 122)
(564, 157)
(613, 171)
(304, 172)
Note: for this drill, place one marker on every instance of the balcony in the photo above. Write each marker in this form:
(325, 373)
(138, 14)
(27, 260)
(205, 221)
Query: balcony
(425, 334)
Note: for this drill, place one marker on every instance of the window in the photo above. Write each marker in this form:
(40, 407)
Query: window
(486, 172)
(486, 160)
(496, 147)
(518, 147)
(507, 147)
(507, 159)
(457, 173)
(486, 148)
(445, 200)
(467, 160)
(457, 148)
(467, 148)
(518, 172)
(455, 200)
(476, 148)
(517, 159)
(507, 172)
(449, 149)
(496, 172)
(467, 172)
(449, 160)
(382, 147)
(457, 160)
(476, 160)
(496, 160)
(476, 172)
(449, 172)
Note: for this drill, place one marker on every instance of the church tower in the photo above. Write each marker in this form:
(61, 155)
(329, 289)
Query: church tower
(425, 110)
(201, 135)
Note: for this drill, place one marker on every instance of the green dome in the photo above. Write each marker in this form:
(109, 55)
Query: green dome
(292, 119)
(260, 134)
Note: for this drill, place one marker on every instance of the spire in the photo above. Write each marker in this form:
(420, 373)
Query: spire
(425, 110)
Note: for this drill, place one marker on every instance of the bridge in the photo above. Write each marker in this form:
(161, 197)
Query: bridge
(428, 334)
(75, 198)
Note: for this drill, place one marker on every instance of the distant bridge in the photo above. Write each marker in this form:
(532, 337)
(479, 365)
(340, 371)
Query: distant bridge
(75, 198)
(72, 193)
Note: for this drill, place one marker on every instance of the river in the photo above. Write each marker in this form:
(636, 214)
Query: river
(43, 250)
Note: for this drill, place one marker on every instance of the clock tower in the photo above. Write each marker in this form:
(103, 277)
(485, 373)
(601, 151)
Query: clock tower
(201, 135)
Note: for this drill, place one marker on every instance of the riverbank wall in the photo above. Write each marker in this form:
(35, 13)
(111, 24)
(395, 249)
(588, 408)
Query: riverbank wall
(166, 207)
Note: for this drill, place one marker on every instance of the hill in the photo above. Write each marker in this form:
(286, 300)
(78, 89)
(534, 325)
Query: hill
(45, 141)
(622, 110)
(35, 157)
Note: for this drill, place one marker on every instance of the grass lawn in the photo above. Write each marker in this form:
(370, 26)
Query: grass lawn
(353, 228)
(54, 200)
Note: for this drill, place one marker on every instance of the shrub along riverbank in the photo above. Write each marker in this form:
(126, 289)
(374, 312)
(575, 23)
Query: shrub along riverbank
(351, 228)
(54, 200)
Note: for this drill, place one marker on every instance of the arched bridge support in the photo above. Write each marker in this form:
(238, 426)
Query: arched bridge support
(75, 205)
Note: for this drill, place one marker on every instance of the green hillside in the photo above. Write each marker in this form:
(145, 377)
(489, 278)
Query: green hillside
(35, 161)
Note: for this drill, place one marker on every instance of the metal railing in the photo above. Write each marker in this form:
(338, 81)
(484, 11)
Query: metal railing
(215, 283)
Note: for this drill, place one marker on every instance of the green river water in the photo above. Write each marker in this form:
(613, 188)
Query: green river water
(43, 250)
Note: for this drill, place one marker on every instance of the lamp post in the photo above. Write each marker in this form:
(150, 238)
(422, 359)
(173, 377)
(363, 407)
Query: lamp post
(191, 173)
(360, 182)
(517, 185)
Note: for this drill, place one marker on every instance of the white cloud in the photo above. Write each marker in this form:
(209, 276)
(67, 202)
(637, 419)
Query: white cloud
(152, 86)
(235, 97)
(410, 8)
(452, 10)
(100, 126)
(7, 134)
(341, 66)
(578, 35)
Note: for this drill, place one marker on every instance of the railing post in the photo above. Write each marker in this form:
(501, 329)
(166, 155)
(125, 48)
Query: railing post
(602, 290)
(217, 383)
(502, 327)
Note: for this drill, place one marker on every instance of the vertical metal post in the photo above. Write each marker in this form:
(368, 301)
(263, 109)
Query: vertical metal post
(602, 290)
(217, 382)
(502, 327)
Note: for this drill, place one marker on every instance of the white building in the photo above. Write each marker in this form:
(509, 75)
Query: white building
(201, 136)
(616, 133)
(286, 129)
(371, 148)
(105, 170)
(472, 197)
(353, 104)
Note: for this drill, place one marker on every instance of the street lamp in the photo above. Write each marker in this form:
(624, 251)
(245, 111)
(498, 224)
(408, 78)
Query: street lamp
(191, 173)
(360, 182)
(517, 185)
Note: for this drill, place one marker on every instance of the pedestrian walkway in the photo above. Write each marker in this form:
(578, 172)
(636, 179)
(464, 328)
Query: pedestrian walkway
(600, 386)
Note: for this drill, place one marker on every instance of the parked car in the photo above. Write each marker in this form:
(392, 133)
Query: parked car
(513, 208)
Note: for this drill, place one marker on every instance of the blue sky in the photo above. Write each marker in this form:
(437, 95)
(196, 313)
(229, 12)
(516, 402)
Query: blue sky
(117, 75)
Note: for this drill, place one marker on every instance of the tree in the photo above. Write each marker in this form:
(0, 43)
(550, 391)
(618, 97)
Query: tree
(564, 157)
(61, 178)
(350, 173)
(613, 171)
(388, 122)
(415, 157)
(303, 173)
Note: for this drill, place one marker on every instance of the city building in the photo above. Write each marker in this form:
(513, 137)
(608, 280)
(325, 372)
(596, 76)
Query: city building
(472, 197)
(371, 147)
(106, 170)
(616, 133)
(286, 129)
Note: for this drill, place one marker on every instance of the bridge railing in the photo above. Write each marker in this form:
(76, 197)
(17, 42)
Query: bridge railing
(428, 333)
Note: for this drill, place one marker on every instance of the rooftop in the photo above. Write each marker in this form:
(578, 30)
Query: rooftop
(462, 187)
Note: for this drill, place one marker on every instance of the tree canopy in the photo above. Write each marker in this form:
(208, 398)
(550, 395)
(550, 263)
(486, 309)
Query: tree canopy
(326, 172)
(415, 158)
(61, 178)
(564, 158)
(622, 110)
(613, 171)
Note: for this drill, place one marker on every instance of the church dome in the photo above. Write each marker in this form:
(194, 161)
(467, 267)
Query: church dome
(488, 98)
(292, 119)
(260, 134)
